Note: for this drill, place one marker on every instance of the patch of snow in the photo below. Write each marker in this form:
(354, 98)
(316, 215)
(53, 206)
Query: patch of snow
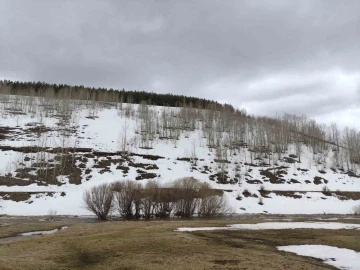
(102, 134)
(278, 226)
(341, 258)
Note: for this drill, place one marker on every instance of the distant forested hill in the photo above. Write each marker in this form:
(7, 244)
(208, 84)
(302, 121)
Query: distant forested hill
(64, 91)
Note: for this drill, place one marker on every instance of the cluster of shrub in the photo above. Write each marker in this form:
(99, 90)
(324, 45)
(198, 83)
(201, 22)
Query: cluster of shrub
(184, 197)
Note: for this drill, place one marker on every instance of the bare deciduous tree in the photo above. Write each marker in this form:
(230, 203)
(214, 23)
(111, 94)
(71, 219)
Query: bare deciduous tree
(99, 200)
(187, 196)
(356, 209)
(210, 204)
(127, 198)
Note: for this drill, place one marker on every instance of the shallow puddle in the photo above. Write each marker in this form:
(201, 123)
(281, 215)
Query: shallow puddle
(26, 235)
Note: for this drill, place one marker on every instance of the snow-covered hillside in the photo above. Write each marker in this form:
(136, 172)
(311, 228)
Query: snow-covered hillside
(53, 150)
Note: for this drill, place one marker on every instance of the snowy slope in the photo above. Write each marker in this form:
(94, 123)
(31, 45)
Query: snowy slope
(110, 128)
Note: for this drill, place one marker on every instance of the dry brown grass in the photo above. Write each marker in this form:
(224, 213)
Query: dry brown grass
(155, 245)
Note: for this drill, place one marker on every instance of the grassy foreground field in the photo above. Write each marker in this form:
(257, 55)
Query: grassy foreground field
(155, 245)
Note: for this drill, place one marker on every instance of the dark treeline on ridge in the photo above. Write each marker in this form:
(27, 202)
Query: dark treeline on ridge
(64, 91)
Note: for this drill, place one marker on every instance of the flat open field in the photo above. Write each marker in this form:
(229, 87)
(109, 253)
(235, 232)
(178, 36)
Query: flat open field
(155, 245)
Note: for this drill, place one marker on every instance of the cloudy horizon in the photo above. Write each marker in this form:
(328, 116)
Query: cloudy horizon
(269, 57)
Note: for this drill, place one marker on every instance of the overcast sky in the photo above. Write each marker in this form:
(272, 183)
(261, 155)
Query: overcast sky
(268, 57)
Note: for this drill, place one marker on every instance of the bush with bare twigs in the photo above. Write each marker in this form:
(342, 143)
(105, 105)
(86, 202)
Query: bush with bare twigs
(99, 200)
(356, 209)
(128, 198)
(183, 198)
(187, 197)
(210, 204)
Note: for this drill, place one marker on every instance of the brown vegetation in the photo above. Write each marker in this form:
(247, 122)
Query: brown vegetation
(155, 245)
(183, 198)
(22, 196)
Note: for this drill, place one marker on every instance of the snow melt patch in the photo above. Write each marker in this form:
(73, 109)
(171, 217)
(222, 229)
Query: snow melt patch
(42, 232)
(341, 258)
(278, 226)
(26, 235)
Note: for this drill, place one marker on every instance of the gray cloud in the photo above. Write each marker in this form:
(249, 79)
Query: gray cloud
(267, 56)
